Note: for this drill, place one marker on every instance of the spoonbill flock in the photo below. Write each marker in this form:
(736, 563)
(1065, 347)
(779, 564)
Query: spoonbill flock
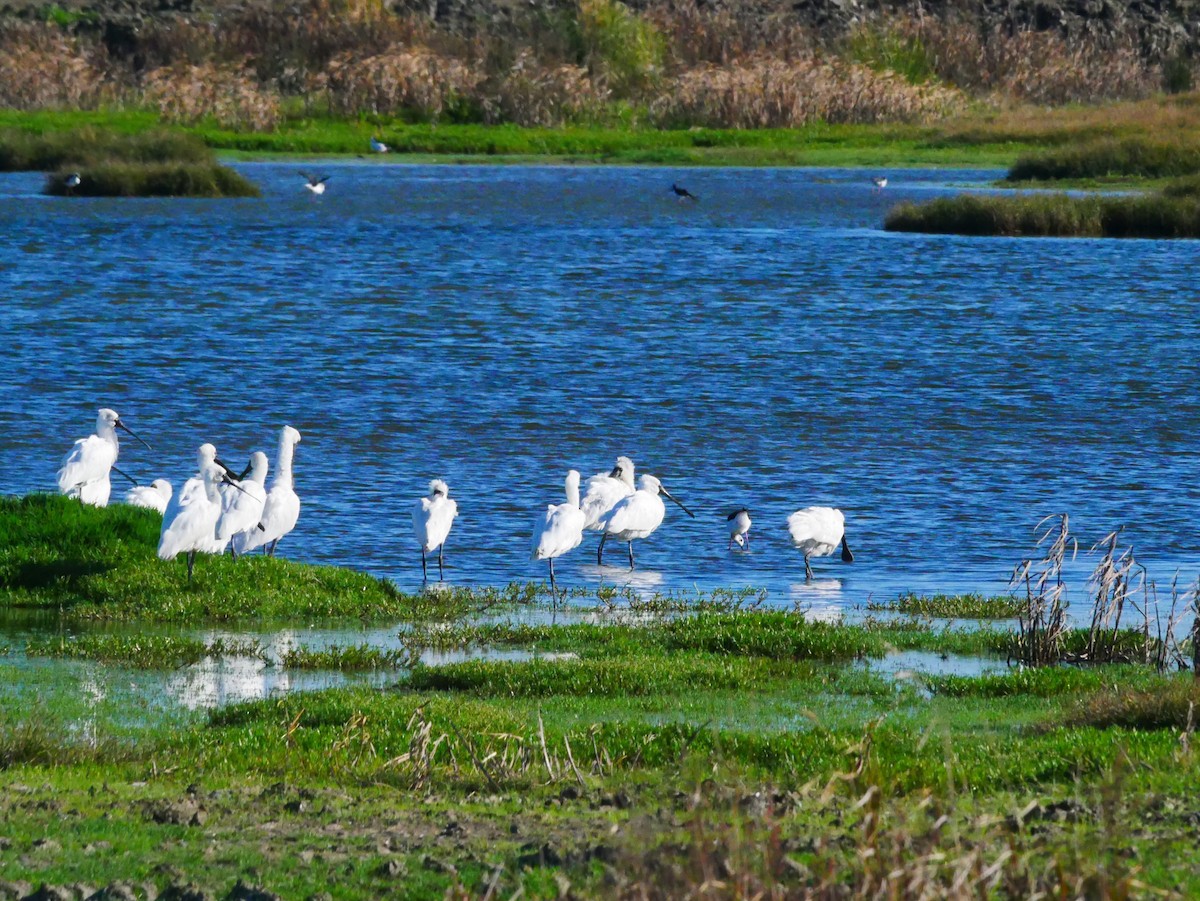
(217, 508)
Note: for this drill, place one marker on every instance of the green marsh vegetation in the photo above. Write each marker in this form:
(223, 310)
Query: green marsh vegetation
(639, 757)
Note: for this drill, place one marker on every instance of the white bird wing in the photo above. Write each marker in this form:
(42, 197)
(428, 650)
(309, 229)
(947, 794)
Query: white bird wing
(88, 460)
(280, 514)
(636, 513)
(189, 520)
(432, 519)
(603, 493)
(241, 510)
(559, 530)
(146, 496)
(817, 526)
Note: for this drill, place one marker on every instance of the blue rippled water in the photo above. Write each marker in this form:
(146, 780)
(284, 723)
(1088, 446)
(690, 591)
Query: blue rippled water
(769, 346)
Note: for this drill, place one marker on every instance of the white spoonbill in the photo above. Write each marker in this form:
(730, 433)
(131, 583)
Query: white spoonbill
(817, 531)
(315, 185)
(377, 146)
(739, 527)
(154, 496)
(85, 468)
(242, 511)
(604, 490)
(190, 522)
(638, 515)
(432, 518)
(281, 511)
(560, 529)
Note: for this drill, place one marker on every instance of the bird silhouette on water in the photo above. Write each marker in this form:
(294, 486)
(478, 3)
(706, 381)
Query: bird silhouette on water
(683, 193)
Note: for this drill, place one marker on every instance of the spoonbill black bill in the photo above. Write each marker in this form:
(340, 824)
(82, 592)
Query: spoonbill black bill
(816, 532)
(560, 528)
(86, 467)
(432, 518)
(639, 514)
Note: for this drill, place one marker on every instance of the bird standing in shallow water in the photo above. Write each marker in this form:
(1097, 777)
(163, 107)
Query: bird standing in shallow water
(739, 527)
(639, 514)
(880, 182)
(73, 181)
(683, 193)
(816, 532)
(154, 496)
(281, 511)
(86, 468)
(560, 529)
(315, 185)
(604, 490)
(432, 518)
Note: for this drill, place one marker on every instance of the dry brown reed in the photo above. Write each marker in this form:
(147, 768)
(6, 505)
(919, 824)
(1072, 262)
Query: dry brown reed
(41, 67)
(228, 94)
(399, 79)
(1043, 623)
(530, 94)
(769, 93)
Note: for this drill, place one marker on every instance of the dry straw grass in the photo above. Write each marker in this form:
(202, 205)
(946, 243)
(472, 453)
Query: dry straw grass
(228, 94)
(41, 67)
(399, 79)
(769, 93)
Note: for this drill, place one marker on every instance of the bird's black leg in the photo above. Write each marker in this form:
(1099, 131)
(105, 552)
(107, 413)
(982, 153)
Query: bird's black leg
(600, 550)
(553, 587)
(424, 572)
(441, 576)
(631, 555)
(191, 561)
(274, 544)
(847, 557)
(807, 570)
(232, 551)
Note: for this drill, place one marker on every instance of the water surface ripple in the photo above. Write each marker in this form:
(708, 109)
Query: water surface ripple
(493, 326)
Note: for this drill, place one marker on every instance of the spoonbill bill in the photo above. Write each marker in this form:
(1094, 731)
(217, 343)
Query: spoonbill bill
(739, 527)
(281, 510)
(190, 521)
(87, 465)
(242, 511)
(432, 518)
(154, 496)
(560, 529)
(639, 514)
(314, 184)
(604, 490)
(816, 532)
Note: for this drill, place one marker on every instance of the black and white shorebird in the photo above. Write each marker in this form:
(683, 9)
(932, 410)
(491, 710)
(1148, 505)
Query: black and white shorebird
(880, 182)
(683, 193)
(377, 146)
(315, 185)
(72, 182)
(739, 527)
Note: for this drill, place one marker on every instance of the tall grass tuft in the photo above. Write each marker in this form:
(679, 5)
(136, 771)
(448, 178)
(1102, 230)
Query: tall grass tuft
(153, 180)
(228, 95)
(398, 80)
(1145, 157)
(623, 49)
(22, 150)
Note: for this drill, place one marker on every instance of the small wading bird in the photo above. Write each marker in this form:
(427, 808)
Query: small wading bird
(739, 527)
(432, 518)
(880, 182)
(190, 521)
(604, 490)
(560, 529)
(281, 510)
(315, 185)
(377, 146)
(242, 511)
(639, 514)
(72, 182)
(683, 193)
(816, 532)
(86, 467)
(154, 496)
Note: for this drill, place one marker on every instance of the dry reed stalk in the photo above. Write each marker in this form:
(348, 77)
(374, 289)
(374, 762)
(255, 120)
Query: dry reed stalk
(1042, 624)
(398, 79)
(228, 94)
(41, 67)
(769, 93)
(534, 95)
